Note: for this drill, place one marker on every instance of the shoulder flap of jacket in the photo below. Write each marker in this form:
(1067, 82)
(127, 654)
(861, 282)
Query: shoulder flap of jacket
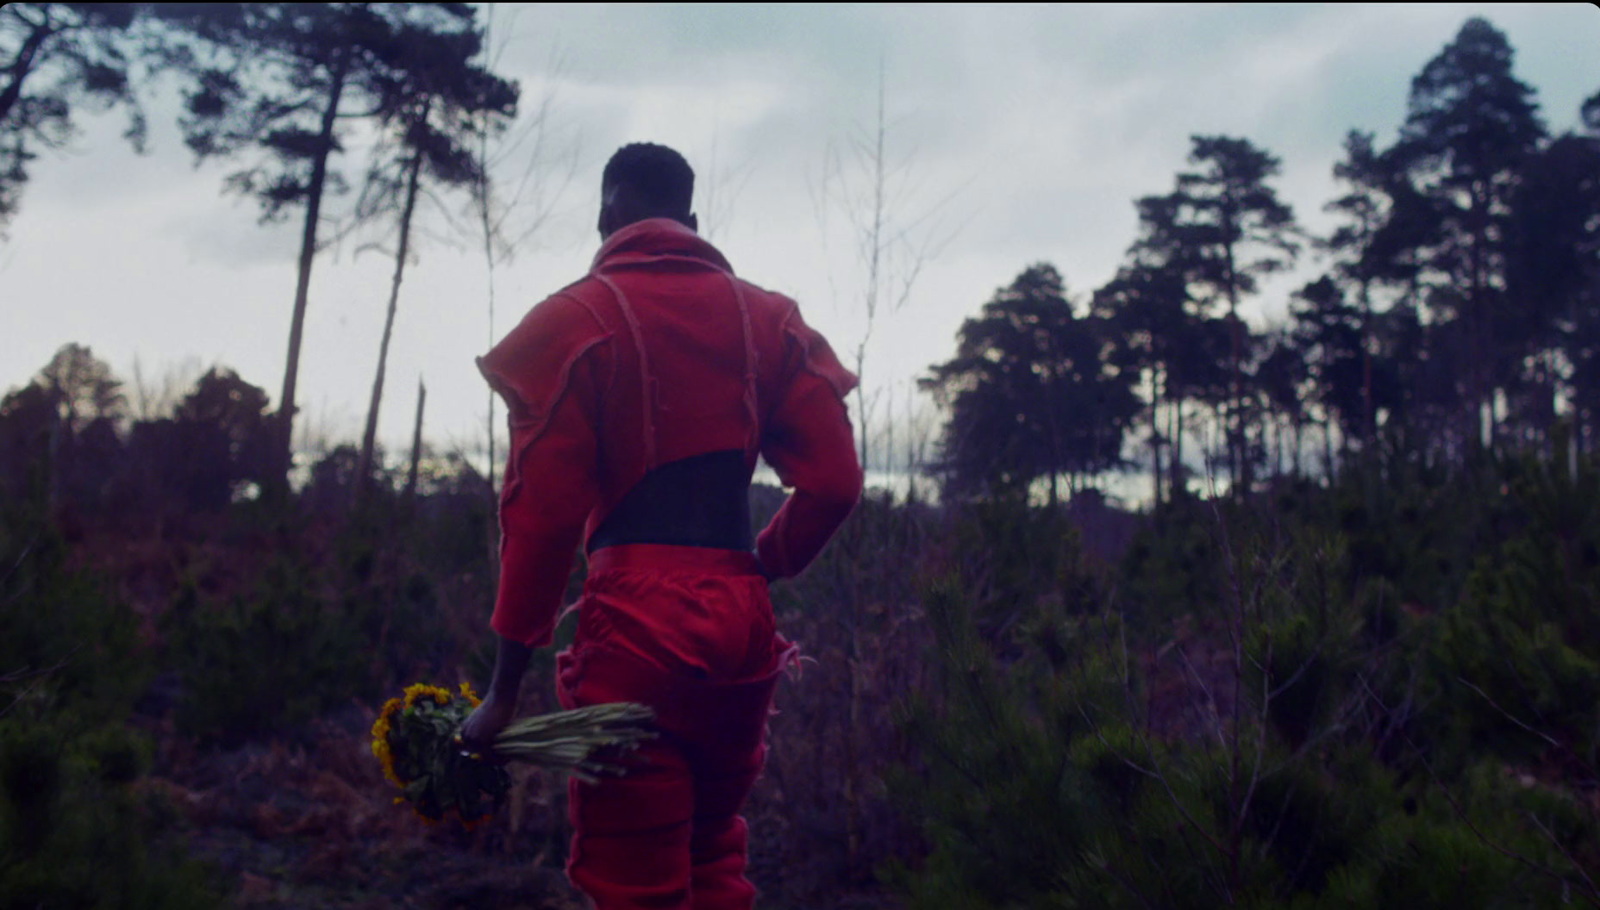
(532, 366)
(817, 355)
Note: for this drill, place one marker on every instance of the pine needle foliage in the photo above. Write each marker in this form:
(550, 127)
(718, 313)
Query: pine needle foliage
(1294, 744)
(77, 829)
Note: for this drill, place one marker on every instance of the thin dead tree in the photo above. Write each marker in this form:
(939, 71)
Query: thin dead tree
(433, 101)
(416, 445)
(155, 397)
(720, 188)
(507, 214)
(891, 250)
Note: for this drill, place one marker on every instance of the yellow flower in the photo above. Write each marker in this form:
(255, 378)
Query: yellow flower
(380, 739)
(380, 748)
(393, 735)
(418, 691)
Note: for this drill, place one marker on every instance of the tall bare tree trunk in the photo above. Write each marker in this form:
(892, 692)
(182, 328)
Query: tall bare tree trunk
(1299, 441)
(416, 443)
(1572, 451)
(369, 437)
(308, 252)
(1277, 449)
(492, 528)
(1180, 480)
(1369, 422)
(1482, 390)
(1327, 448)
(1235, 427)
(1155, 442)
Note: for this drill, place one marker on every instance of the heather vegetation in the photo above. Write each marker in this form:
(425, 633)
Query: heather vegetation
(1381, 685)
(1347, 655)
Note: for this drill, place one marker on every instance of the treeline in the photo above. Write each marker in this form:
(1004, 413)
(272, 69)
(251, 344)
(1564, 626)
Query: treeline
(1459, 311)
(279, 89)
(68, 436)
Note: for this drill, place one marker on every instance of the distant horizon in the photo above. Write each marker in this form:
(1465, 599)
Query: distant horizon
(1129, 489)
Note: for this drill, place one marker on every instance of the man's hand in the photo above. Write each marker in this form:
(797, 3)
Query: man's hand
(486, 722)
(500, 704)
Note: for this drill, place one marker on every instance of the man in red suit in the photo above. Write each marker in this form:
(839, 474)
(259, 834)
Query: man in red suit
(639, 398)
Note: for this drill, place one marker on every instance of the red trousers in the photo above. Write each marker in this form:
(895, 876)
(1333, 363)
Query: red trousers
(689, 632)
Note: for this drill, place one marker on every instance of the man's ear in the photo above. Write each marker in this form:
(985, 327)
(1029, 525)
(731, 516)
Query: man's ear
(608, 203)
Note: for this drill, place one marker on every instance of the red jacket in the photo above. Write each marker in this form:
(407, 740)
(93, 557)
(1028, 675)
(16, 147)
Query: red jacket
(659, 354)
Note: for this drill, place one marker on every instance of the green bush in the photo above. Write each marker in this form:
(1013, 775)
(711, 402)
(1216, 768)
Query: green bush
(1079, 763)
(1518, 661)
(76, 827)
(268, 659)
(1173, 568)
(63, 627)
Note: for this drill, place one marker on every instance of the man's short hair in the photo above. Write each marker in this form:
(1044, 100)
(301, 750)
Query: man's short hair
(655, 175)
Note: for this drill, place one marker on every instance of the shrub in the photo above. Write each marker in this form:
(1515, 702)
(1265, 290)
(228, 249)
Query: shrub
(76, 828)
(1238, 763)
(267, 659)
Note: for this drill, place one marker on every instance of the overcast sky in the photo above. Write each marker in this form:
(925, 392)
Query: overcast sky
(1015, 135)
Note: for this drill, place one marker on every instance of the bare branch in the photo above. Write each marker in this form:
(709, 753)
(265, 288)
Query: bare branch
(1125, 883)
(1461, 814)
(1593, 894)
(1507, 714)
(21, 557)
(1205, 689)
(37, 676)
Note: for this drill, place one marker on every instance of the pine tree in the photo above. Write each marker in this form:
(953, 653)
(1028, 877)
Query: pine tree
(1470, 131)
(1029, 392)
(1224, 227)
(279, 81)
(434, 100)
(1364, 206)
(1328, 332)
(55, 58)
(1143, 309)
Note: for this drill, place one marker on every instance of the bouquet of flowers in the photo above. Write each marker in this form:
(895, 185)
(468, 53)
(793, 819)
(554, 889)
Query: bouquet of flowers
(416, 738)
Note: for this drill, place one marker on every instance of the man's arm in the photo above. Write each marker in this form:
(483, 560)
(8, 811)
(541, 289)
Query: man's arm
(541, 522)
(808, 442)
(500, 702)
(550, 489)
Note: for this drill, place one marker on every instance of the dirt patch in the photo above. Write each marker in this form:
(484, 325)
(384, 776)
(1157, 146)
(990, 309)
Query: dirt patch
(313, 824)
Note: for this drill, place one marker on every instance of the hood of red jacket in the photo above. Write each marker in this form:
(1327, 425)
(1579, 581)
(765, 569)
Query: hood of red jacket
(658, 237)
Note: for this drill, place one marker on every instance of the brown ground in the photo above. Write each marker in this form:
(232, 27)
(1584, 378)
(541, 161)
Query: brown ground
(313, 824)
